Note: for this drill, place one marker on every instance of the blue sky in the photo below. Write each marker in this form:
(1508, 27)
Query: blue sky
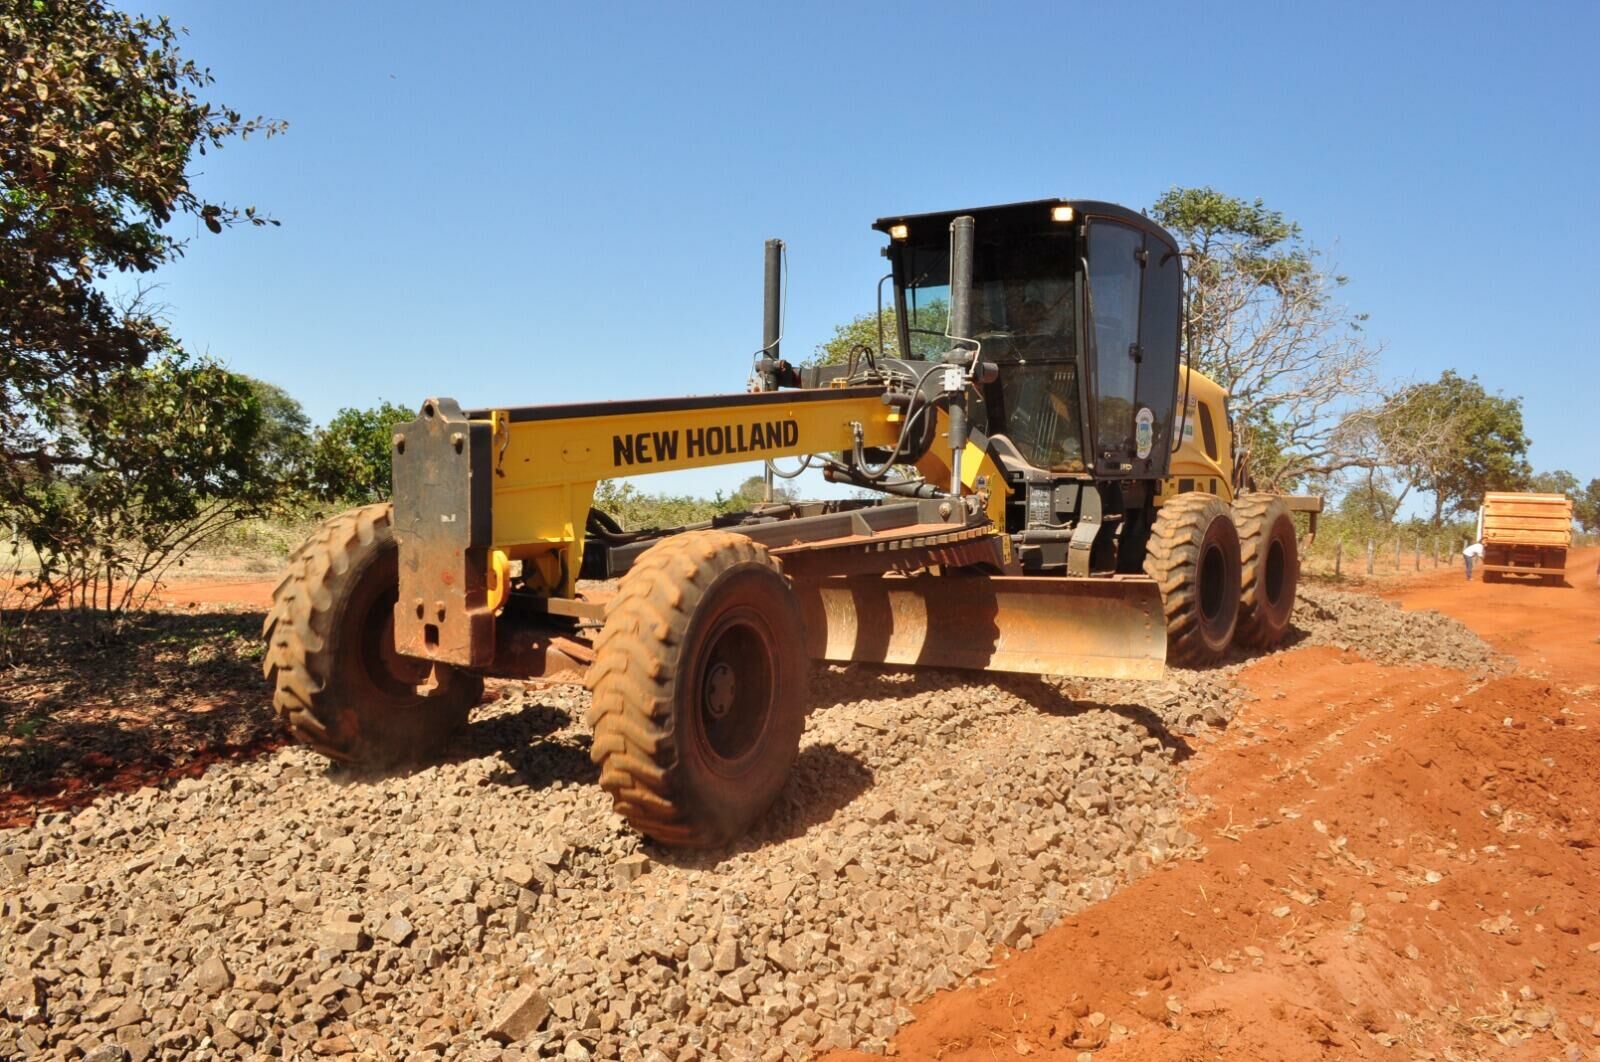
(518, 203)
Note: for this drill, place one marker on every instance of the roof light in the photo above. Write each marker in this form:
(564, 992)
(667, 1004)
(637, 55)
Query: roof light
(1061, 213)
(898, 232)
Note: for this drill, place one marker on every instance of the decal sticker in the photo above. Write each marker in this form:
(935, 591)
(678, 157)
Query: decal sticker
(1144, 431)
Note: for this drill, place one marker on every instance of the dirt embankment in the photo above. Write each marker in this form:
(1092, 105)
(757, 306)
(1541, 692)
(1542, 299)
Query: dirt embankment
(1399, 859)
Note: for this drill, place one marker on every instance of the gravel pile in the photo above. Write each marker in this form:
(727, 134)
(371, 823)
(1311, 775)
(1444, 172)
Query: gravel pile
(492, 906)
(1382, 631)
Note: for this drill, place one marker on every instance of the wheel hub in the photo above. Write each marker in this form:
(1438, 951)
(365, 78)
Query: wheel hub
(722, 689)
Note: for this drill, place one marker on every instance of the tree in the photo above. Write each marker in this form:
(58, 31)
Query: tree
(100, 119)
(155, 462)
(1587, 510)
(861, 333)
(1262, 318)
(285, 438)
(1454, 439)
(351, 457)
(856, 333)
(753, 489)
(1558, 482)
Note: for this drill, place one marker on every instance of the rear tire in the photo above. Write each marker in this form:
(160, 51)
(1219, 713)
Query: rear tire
(699, 689)
(1194, 558)
(1269, 569)
(338, 684)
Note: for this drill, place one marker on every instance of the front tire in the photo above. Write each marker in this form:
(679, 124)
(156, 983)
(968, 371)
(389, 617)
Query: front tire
(338, 684)
(699, 689)
(1269, 569)
(1193, 556)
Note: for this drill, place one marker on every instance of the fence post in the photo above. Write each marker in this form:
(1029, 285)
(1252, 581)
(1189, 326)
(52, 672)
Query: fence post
(1419, 553)
(1338, 558)
(1435, 551)
(1397, 553)
(1372, 555)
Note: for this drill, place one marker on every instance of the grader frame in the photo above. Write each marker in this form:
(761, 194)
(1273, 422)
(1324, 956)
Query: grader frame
(481, 494)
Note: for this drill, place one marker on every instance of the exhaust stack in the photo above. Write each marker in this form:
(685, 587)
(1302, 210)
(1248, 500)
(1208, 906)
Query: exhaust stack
(958, 360)
(771, 317)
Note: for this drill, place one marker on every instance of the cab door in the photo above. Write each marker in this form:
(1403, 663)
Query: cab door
(1135, 304)
(1115, 280)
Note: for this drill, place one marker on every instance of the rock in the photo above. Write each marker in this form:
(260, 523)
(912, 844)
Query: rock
(130, 1013)
(1566, 923)
(342, 932)
(700, 958)
(213, 976)
(519, 1016)
(630, 868)
(244, 1024)
(519, 874)
(14, 867)
(22, 998)
(396, 930)
(727, 956)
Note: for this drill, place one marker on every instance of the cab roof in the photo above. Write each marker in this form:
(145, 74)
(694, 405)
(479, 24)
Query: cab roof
(1030, 214)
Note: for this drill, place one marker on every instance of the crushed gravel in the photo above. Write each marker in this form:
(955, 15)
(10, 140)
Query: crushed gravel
(1380, 630)
(493, 907)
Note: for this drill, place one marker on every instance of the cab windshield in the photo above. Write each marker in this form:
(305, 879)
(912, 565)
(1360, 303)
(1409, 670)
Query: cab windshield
(1023, 318)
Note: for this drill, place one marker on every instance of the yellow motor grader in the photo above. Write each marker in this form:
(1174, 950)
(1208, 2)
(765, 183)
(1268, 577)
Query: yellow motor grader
(1055, 494)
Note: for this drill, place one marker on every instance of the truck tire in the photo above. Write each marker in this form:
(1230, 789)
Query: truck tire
(1269, 569)
(699, 687)
(1194, 558)
(338, 685)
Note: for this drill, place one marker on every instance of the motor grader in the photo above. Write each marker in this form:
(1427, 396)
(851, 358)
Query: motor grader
(1052, 493)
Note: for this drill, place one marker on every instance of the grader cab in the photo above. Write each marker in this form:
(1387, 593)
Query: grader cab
(1044, 508)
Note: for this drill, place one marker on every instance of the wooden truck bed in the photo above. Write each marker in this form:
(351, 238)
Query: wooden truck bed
(1525, 534)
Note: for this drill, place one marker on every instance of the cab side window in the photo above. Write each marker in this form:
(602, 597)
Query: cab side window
(1208, 432)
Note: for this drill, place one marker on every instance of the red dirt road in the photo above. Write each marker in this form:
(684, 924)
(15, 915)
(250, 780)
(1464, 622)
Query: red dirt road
(1401, 864)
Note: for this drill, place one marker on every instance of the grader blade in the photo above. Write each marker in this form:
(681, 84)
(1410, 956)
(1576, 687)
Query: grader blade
(1087, 628)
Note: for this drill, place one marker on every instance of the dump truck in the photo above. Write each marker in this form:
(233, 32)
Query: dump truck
(1525, 535)
(1053, 492)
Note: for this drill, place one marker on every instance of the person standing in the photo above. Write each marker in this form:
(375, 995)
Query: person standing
(1470, 554)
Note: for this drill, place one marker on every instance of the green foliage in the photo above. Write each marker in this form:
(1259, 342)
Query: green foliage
(856, 333)
(1453, 438)
(752, 490)
(351, 458)
(285, 438)
(1368, 503)
(1587, 509)
(861, 333)
(1265, 439)
(102, 120)
(153, 463)
(636, 510)
(109, 470)
(1222, 232)
(1558, 482)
